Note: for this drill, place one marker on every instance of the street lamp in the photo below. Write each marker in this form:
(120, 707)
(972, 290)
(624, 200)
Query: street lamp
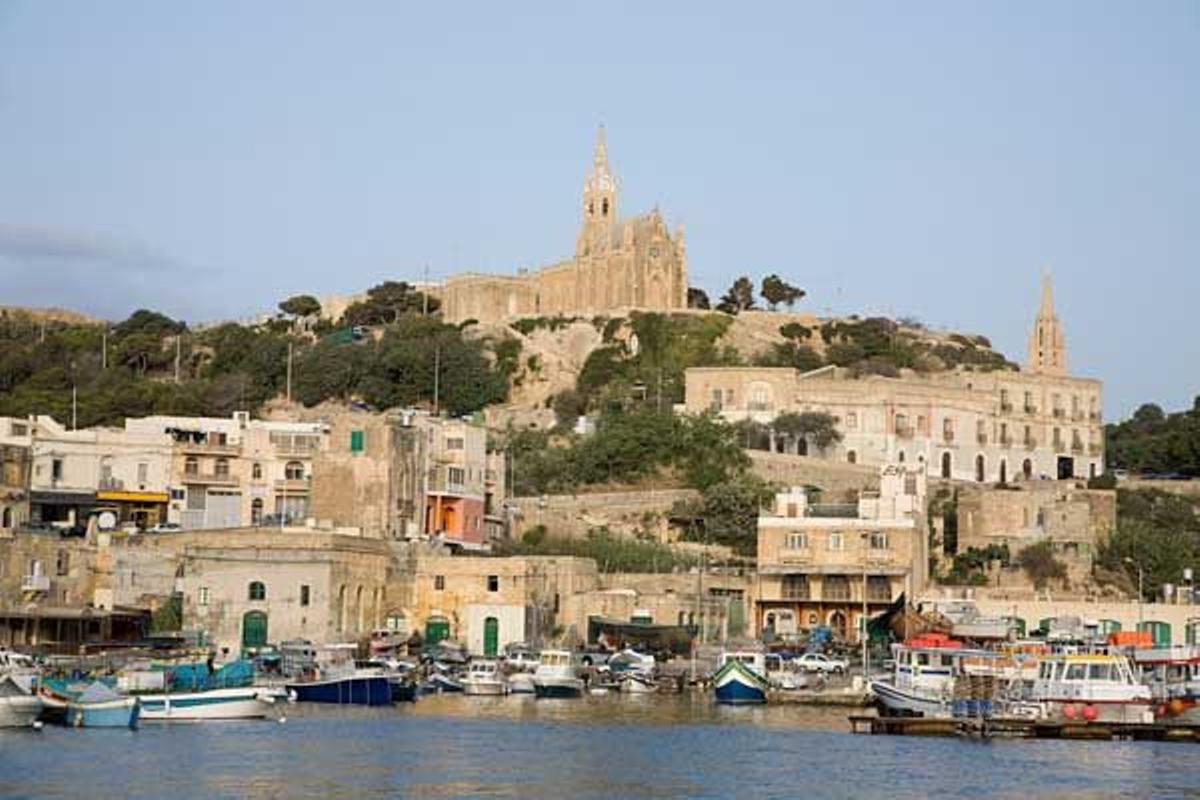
(1129, 560)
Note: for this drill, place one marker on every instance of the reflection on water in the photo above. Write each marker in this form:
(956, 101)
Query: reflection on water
(602, 747)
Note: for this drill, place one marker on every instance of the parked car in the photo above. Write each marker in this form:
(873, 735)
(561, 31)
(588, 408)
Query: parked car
(819, 662)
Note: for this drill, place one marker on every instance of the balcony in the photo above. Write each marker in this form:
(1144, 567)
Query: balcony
(213, 478)
(111, 485)
(879, 594)
(904, 433)
(1006, 408)
(1076, 447)
(1059, 413)
(211, 449)
(35, 583)
(948, 437)
(835, 592)
(1005, 441)
(1031, 410)
(1077, 415)
(293, 486)
(1094, 416)
(1059, 445)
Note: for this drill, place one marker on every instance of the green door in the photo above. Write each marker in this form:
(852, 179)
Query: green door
(1108, 626)
(1193, 629)
(1018, 626)
(254, 630)
(491, 637)
(1161, 631)
(436, 630)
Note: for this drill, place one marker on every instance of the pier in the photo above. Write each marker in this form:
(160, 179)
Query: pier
(1013, 728)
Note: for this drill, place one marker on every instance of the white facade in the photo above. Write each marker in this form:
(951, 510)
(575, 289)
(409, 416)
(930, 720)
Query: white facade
(509, 619)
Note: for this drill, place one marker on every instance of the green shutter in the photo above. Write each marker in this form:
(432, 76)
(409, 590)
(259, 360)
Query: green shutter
(357, 441)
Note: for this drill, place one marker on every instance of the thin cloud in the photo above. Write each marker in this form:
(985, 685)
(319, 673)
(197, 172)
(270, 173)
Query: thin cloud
(25, 243)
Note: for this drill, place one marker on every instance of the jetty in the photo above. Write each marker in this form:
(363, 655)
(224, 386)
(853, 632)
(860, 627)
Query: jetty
(1016, 728)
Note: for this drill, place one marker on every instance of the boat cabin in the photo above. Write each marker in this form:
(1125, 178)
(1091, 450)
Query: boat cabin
(1099, 677)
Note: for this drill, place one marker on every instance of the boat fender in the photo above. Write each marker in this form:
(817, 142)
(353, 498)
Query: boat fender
(38, 724)
(1069, 711)
(1090, 713)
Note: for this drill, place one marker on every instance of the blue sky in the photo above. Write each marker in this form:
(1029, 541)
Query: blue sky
(920, 159)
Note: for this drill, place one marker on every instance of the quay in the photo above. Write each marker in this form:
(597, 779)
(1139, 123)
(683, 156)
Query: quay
(1013, 728)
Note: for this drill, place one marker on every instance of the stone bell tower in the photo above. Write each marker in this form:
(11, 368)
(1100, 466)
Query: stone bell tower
(1047, 347)
(599, 200)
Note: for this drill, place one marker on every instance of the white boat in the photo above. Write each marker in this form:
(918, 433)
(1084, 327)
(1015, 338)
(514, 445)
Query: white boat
(20, 667)
(520, 683)
(1173, 675)
(638, 682)
(484, 679)
(18, 708)
(555, 675)
(249, 702)
(924, 682)
(1092, 687)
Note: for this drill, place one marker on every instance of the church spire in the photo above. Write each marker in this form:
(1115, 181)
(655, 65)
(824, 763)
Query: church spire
(600, 159)
(599, 200)
(1047, 347)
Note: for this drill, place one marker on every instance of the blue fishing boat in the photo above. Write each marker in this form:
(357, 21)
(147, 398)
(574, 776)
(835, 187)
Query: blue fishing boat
(357, 689)
(98, 706)
(741, 679)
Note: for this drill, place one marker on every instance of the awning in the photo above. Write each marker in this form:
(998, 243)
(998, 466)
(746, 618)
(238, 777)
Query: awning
(133, 497)
(62, 498)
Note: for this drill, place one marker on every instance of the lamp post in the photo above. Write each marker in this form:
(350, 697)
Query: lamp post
(1129, 560)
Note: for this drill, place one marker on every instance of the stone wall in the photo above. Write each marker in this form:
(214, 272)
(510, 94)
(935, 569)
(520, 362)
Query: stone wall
(836, 479)
(573, 515)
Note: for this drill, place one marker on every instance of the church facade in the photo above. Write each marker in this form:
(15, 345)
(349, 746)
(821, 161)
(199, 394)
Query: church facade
(631, 263)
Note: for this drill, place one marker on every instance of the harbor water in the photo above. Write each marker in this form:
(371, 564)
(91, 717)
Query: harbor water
(596, 747)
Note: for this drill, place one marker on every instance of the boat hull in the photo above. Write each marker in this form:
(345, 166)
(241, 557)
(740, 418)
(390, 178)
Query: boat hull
(633, 685)
(358, 691)
(902, 703)
(121, 713)
(734, 684)
(485, 688)
(19, 711)
(247, 703)
(1098, 711)
(558, 688)
(520, 683)
(403, 691)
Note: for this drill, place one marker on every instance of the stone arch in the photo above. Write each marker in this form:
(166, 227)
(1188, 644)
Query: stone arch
(341, 608)
(360, 609)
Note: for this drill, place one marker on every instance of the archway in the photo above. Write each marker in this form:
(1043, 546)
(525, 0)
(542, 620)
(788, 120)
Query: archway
(341, 609)
(6, 521)
(256, 511)
(979, 468)
(254, 630)
(837, 623)
(946, 466)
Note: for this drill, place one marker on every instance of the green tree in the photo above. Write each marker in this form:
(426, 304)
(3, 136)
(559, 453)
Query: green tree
(740, 297)
(387, 303)
(728, 512)
(775, 290)
(301, 305)
(815, 428)
(1039, 563)
(697, 298)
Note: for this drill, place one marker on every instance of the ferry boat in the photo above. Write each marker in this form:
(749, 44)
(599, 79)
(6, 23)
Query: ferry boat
(1173, 675)
(484, 679)
(555, 675)
(1092, 687)
(18, 708)
(741, 679)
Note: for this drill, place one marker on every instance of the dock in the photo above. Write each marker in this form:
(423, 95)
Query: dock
(1015, 728)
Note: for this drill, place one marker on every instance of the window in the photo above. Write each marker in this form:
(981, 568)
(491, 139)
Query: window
(851, 457)
(258, 590)
(305, 595)
(851, 420)
(1098, 672)
(878, 540)
(222, 468)
(439, 582)
(143, 472)
(796, 541)
(879, 589)
(202, 596)
(191, 466)
(760, 398)
(256, 471)
(455, 475)
(256, 511)
(948, 429)
(837, 587)
(715, 402)
(493, 583)
(358, 441)
(795, 587)
(63, 565)
(455, 443)
(293, 471)
(835, 542)
(56, 469)
(1076, 672)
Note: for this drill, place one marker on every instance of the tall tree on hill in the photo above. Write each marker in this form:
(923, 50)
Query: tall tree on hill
(697, 298)
(301, 305)
(776, 290)
(740, 297)
(386, 303)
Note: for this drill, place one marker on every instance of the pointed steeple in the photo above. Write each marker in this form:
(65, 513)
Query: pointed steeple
(600, 159)
(1047, 346)
(599, 200)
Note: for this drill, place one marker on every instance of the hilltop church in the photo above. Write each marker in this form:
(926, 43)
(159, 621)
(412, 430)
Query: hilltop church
(618, 264)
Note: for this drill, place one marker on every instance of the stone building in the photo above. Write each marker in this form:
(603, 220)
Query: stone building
(618, 264)
(243, 589)
(816, 560)
(407, 475)
(998, 426)
(1075, 520)
(232, 472)
(16, 447)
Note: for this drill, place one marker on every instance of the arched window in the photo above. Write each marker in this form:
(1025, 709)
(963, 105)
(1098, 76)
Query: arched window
(362, 609)
(1004, 472)
(341, 609)
(191, 466)
(294, 471)
(604, 207)
(256, 510)
(222, 467)
(900, 457)
(946, 465)
(256, 471)
(979, 468)
(258, 590)
(1027, 469)
(6, 520)
(851, 457)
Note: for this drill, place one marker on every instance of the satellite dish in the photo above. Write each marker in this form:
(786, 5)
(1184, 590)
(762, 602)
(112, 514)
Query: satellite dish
(106, 520)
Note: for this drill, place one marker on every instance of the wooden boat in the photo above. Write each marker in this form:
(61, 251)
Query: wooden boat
(18, 708)
(741, 679)
(247, 702)
(555, 676)
(98, 706)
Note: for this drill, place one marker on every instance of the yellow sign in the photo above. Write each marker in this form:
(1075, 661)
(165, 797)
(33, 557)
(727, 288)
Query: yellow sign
(133, 497)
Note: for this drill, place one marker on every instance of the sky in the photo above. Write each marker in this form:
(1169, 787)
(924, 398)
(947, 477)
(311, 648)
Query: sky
(923, 159)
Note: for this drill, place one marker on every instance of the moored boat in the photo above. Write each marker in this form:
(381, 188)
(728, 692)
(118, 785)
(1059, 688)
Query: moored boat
(484, 679)
(98, 706)
(1092, 687)
(18, 708)
(247, 702)
(520, 683)
(1173, 675)
(741, 679)
(338, 680)
(555, 676)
